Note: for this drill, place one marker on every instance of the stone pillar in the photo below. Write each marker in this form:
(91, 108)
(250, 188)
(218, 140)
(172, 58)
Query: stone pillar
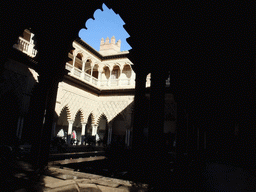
(139, 122)
(20, 127)
(70, 127)
(35, 119)
(94, 129)
(83, 133)
(156, 154)
(44, 140)
(94, 132)
(109, 134)
(139, 112)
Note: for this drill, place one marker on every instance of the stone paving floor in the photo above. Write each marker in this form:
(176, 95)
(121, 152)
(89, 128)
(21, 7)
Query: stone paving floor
(20, 177)
(64, 179)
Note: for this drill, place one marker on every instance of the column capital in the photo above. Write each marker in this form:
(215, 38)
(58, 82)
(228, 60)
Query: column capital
(83, 123)
(75, 53)
(121, 67)
(100, 69)
(70, 121)
(111, 68)
(84, 59)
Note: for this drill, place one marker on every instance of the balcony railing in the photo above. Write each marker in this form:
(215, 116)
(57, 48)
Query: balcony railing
(26, 47)
(114, 82)
(69, 67)
(124, 81)
(87, 77)
(106, 83)
(77, 72)
(94, 81)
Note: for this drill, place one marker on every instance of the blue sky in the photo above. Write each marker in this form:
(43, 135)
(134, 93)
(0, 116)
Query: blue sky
(106, 23)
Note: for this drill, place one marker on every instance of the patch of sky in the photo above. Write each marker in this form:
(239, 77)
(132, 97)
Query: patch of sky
(105, 24)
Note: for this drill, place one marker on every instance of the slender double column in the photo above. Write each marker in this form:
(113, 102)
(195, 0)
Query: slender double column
(109, 134)
(70, 128)
(83, 66)
(83, 133)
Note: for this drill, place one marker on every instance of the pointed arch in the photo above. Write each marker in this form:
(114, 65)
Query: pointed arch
(81, 114)
(119, 124)
(127, 71)
(95, 70)
(78, 60)
(67, 108)
(103, 130)
(106, 72)
(92, 117)
(116, 71)
(62, 124)
(102, 115)
(88, 65)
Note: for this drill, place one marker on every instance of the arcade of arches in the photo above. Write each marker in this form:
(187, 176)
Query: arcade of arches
(96, 96)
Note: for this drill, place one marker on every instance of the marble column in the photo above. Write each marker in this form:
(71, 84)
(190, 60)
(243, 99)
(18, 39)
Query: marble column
(109, 134)
(70, 126)
(83, 133)
(94, 132)
(94, 129)
(127, 137)
(19, 127)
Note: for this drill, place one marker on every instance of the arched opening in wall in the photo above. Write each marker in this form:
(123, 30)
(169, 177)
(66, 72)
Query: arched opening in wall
(118, 130)
(9, 113)
(88, 131)
(103, 130)
(78, 61)
(106, 73)
(115, 75)
(95, 72)
(127, 72)
(115, 72)
(77, 128)
(125, 75)
(61, 129)
(88, 67)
